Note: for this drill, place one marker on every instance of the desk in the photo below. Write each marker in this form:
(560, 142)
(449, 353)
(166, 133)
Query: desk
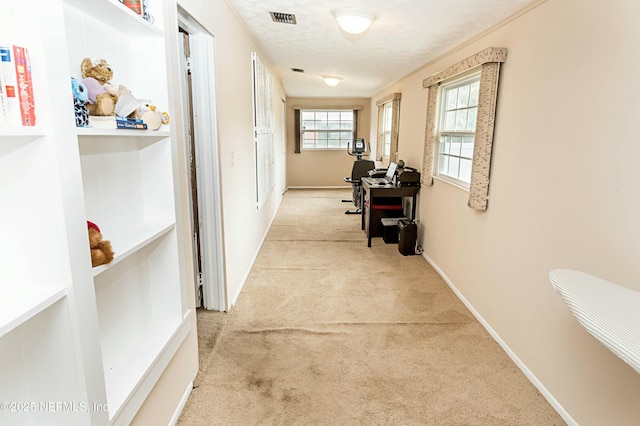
(371, 191)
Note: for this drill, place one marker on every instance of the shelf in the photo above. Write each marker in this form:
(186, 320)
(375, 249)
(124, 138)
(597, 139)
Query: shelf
(116, 15)
(116, 133)
(25, 132)
(126, 245)
(608, 311)
(18, 305)
(129, 382)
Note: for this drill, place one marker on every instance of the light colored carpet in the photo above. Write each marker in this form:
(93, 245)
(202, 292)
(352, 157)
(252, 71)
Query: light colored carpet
(330, 332)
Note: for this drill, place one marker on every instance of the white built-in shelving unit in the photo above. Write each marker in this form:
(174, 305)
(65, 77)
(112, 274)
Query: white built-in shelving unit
(100, 337)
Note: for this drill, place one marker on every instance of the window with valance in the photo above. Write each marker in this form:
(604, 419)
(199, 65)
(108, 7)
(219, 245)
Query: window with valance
(488, 63)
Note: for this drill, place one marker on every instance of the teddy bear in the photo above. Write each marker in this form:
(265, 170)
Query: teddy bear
(101, 251)
(103, 95)
(80, 98)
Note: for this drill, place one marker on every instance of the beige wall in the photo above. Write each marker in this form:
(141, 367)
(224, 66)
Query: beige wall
(322, 168)
(563, 194)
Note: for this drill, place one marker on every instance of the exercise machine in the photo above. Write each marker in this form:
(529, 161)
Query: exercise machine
(359, 170)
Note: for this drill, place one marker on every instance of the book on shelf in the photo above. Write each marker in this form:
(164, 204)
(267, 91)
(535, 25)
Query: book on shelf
(130, 123)
(25, 86)
(17, 106)
(9, 104)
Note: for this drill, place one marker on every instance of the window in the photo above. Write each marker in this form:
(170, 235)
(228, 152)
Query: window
(456, 129)
(327, 129)
(386, 130)
(388, 123)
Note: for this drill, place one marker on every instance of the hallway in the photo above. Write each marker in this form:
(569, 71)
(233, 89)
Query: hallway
(328, 331)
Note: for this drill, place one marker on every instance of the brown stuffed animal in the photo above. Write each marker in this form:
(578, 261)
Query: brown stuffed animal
(106, 95)
(101, 252)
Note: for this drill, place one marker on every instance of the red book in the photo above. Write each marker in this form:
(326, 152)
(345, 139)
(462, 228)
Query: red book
(135, 5)
(25, 86)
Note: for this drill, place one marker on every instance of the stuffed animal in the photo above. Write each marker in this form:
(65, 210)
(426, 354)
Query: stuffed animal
(103, 95)
(101, 251)
(80, 98)
(149, 114)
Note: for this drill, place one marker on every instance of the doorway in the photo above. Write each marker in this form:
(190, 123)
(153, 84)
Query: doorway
(197, 52)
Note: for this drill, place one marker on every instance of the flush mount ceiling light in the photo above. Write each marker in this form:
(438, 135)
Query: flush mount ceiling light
(352, 20)
(331, 80)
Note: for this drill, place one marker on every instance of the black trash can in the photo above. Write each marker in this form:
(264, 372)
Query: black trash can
(390, 225)
(407, 235)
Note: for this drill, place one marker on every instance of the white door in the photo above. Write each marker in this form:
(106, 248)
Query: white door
(199, 98)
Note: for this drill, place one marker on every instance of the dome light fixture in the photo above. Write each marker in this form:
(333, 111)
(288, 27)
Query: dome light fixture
(331, 80)
(353, 20)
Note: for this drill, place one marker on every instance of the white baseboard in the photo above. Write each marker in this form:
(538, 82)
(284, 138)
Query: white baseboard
(532, 378)
(180, 407)
(320, 187)
(232, 301)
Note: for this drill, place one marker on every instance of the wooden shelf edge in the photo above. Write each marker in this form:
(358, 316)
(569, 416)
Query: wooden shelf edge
(139, 238)
(28, 304)
(130, 398)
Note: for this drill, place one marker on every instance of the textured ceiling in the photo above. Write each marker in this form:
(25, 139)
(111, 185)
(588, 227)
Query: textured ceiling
(406, 35)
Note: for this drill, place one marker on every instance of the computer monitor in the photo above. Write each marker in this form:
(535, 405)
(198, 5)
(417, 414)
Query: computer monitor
(391, 171)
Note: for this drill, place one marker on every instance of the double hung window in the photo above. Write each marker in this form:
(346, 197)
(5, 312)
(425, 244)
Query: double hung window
(388, 124)
(456, 129)
(386, 131)
(327, 129)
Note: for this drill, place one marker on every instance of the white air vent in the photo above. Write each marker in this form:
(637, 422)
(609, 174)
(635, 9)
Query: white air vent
(283, 18)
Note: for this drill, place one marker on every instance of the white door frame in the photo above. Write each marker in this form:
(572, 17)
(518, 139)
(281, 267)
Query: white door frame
(202, 65)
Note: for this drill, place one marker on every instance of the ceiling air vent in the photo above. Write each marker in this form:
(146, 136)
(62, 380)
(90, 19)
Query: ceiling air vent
(297, 70)
(283, 18)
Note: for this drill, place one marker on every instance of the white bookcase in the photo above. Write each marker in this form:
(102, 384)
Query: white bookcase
(83, 345)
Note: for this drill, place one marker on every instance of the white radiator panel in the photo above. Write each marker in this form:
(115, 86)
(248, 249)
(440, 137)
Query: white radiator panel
(608, 311)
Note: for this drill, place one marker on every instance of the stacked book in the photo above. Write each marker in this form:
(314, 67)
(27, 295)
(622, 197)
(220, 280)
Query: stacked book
(16, 87)
(130, 123)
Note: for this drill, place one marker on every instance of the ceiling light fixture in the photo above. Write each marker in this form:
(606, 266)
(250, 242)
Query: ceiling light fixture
(331, 80)
(352, 20)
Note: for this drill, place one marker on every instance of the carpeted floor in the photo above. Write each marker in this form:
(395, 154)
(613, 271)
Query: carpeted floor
(330, 332)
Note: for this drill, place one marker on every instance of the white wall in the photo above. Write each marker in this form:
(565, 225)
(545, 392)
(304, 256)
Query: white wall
(563, 193)
(244, 227)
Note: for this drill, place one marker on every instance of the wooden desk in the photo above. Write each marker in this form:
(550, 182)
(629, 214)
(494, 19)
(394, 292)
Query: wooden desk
(371, 191)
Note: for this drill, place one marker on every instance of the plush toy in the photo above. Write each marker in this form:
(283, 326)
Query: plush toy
(127, 105)
(80, 98)
(103, 95)
(101, 251)
(150, 115)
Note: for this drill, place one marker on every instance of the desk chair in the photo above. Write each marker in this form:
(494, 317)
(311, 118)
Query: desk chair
(360, 169)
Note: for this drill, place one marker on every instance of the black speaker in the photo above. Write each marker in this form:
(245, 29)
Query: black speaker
(407, 235)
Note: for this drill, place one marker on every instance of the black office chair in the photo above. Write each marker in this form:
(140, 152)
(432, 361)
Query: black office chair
(360, 169)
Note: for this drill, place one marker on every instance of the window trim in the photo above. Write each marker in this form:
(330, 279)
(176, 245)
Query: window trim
(489, 61)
